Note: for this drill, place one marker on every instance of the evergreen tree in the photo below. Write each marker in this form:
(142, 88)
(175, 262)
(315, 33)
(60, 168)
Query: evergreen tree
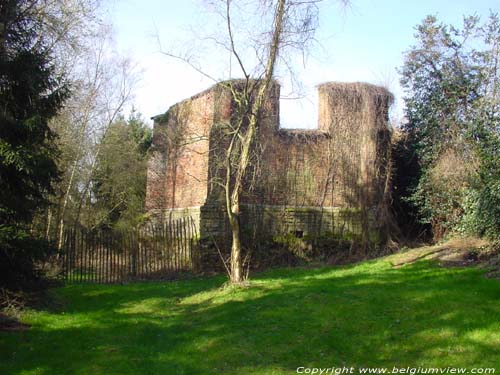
(452, 80)
(31, 92)
(120, 179)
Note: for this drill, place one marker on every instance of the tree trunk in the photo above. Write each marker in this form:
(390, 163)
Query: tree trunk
(49, 223)
(247, 139)
(236, 266)
(65, 204)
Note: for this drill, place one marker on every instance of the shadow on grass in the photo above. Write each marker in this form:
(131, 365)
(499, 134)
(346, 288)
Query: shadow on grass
(364, 315)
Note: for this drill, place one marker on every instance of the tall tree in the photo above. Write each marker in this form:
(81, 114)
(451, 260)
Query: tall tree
(255, 53)
(245, 129)
(119, 182)
(40, 42)
(31, 93)
(451, 78)
(103, 85)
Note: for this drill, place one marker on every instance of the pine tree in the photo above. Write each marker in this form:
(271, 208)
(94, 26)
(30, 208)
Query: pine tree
(31, 93)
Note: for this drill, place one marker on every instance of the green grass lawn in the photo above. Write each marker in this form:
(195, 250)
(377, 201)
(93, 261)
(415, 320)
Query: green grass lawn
(369, 314)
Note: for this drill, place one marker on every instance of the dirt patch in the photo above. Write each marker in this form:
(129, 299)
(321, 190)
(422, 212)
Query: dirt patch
(10, 324)
(457, 252)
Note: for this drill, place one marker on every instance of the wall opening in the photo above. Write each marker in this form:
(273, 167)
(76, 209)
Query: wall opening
(299, 111)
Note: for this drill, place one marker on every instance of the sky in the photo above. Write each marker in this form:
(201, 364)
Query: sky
(363, 43)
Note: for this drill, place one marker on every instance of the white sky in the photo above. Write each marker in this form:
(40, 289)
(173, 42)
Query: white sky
(364, 43)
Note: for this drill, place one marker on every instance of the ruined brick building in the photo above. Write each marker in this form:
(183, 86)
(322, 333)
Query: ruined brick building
(330, 181)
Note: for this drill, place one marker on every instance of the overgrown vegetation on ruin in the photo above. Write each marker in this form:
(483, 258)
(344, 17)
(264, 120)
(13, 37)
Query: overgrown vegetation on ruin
(362, 165)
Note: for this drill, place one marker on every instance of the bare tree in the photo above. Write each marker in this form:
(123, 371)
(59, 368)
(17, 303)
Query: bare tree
(70, 31)
(103, 86)
(284, 26)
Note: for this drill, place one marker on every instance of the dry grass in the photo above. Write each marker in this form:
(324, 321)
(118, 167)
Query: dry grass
(454, 252)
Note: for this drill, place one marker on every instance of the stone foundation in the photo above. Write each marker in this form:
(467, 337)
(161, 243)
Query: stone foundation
(290, 234)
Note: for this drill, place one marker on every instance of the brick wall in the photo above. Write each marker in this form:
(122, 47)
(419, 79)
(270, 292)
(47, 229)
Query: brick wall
(178, 165)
